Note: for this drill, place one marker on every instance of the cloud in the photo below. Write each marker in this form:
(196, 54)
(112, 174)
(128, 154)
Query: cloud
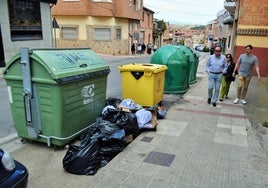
(193, 11)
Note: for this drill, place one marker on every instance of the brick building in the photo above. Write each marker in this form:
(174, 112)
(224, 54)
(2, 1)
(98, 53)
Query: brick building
(244, 22)
(106, 26)
(252, 28)
(147, 24)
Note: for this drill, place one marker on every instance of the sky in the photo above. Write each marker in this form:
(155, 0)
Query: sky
(185, 11)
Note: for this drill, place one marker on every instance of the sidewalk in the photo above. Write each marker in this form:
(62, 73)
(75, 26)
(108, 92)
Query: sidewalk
(195, 146)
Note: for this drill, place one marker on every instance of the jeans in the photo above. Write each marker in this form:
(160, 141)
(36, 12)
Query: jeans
(242, 86)
(214, 82)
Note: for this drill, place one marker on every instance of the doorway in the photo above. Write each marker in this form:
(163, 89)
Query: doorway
(2, 55)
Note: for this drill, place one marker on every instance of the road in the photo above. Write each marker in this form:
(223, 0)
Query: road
(114, 86)
(6, 121)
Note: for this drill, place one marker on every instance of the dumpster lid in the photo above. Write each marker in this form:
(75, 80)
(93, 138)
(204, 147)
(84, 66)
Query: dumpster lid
(62, 63)
(154, 68)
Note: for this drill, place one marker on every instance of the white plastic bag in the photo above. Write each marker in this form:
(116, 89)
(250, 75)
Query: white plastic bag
(144, 118)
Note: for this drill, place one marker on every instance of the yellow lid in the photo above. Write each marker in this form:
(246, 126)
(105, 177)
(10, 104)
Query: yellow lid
(143, 67)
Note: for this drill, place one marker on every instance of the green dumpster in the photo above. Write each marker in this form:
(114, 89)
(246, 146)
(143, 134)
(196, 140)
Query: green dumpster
(55, 94)
(177, 74)
(193, 62)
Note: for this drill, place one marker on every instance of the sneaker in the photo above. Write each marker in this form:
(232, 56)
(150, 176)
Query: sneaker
(226, 97)
(209, 100)
(243, 101)
(236, 101)
(214, 104)
(221, 99)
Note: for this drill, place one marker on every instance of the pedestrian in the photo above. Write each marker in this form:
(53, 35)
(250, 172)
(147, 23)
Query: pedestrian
(133, 49)
(154, 48)
(149, 48)
(139, 49)
(244, 65)
(211, 50)
(227, 78)
(143, 48)
(215, 67)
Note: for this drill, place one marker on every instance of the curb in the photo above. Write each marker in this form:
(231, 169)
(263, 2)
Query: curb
(1, 71)
(8, 139)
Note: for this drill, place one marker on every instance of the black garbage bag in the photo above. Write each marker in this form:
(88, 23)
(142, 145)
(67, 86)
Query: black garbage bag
(128, 122)
(84, 159)
(111, 145)
(107, 128)
(99, 144)
(86, 136)
(111, 115)
(161, 113)
(98, 130)
(124, 120)
(113, 101)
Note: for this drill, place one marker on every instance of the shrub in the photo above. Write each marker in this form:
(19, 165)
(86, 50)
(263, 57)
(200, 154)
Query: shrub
(205, 49)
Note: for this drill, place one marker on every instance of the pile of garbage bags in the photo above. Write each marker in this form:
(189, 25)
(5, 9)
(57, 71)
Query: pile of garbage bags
(120, 123)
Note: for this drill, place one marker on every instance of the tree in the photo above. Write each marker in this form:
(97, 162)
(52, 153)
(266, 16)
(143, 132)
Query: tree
(159, 28)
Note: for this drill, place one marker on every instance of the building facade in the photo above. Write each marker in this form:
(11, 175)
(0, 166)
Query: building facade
(106, 26)
(252, 28)
(24, 23)
(147, 24)
(211, 33)
(245, 22)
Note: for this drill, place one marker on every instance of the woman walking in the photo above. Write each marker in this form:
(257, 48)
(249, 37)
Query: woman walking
(227, 78)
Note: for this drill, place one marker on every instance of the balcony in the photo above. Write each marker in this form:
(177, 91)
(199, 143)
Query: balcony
(230, 5)
(227, 19)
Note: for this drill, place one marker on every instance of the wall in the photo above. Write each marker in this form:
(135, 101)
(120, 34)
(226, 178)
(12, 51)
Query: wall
(86, 27)
(126, 9)
(259, 49)
(10, 47)
(253, 29)
(147, 26)
(120, 13)
(119, 8)
(253, 12)
(71, 8)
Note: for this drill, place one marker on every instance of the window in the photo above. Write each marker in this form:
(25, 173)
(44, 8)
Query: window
(118, 34)
(25, 20)
(102, 34)
(142, 33)
(148, 16)
(210, 27)
(229, 41)
(68, 32)
(138, 5)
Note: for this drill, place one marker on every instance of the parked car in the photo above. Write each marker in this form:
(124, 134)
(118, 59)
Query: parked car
(12, 173)
(199, 48)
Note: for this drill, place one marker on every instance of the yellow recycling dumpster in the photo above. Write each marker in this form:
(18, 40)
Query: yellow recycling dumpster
(55, 94)
(143, 83)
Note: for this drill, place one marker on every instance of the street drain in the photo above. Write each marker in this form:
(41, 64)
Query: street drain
(158, 158)
(147, 139)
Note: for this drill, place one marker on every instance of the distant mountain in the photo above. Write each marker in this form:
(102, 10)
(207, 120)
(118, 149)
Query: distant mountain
(189, 26)
(200, 27)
